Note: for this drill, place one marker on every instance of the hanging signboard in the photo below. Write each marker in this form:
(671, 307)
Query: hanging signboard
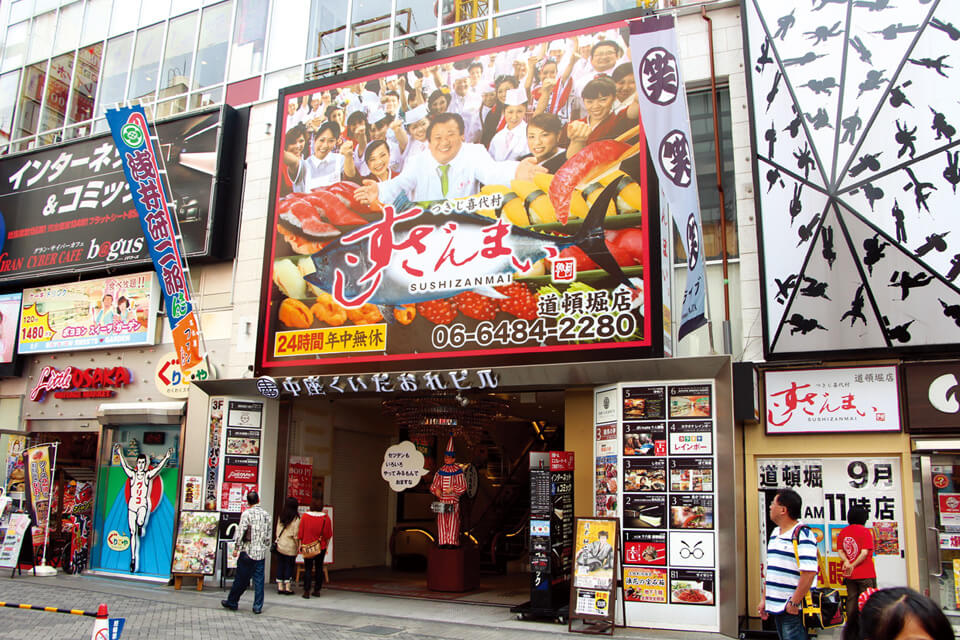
(828, 488)
(160, 231)
(832, 400)
(518, 249)
(91, 314)
(67, 208)
(593, 587)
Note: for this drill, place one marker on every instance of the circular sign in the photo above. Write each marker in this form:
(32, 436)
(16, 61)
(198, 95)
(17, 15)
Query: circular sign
(659, 76)
(132, 135)
(170, 380)
(472, 479)
(940, 481)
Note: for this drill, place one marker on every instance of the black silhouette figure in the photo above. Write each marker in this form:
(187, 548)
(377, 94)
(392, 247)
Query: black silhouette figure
(824, 3)
(805, 232)
(874, 251)
(774, 89)
(873, 5)
(784, 24)
(891, 32)
(947, 28)
(865, 56)
(815, 288)
(872, 81)
(905, 138)
(952, 311)
(764, 58)
(806, 58)
(856, 308)
(952, 173)
(823, 33)
(803, 325)
(943, 128)
(828, 253)
(898, 333)
(901, 229)
(850, 126)
(794, 126)
(920, 195)
(784, 287)
(937, 65)
(805, 161)
(821, 86)
(872, 194)
(820, 120)
(898, 97)
(905, 281)
(770, 135)
(773, 177)
(864, 162)
(934, 241)
(796, 206)
(954, 267)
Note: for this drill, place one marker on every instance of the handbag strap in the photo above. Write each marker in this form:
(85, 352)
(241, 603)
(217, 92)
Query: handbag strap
(797, 530)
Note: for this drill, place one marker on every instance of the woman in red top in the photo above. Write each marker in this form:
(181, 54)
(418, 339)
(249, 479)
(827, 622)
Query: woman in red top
(314, 525)
(855, 546)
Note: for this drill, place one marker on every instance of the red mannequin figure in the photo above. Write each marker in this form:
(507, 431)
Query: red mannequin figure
(448, 485)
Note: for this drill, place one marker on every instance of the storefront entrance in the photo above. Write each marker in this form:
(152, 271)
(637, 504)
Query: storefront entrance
(937, 489)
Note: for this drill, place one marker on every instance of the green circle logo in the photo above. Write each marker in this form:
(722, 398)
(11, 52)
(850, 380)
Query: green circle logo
(132, 135)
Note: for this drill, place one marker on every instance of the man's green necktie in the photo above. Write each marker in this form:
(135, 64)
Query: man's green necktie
(443, 169)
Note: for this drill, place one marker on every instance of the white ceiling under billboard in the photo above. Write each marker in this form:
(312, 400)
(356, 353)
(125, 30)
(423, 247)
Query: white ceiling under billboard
(857, 166)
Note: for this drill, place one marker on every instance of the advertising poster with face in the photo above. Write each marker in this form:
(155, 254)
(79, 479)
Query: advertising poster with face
(495, 203)
(594, 553)
(645, 438)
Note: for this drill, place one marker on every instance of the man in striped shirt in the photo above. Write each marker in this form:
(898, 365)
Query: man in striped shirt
(252, 550)
(787, 580)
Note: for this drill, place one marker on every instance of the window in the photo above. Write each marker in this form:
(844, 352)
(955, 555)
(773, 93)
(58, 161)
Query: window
(57, 93)
(420, 14)
(96, 21)
(178, 56)
(212, 48)
(249, 31)
(41, 37)
(288, 38)
(701, 125)
(371, 22)
(115, 64)
(153, 11)
(123, 16)
(31, 93)
(146, 62)
(84, 85)
(327, 27)
(15, 46)
(8, 100)
(68, 28)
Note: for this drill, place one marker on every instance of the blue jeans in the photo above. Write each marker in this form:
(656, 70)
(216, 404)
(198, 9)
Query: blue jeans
(789, 626)
(247, 569)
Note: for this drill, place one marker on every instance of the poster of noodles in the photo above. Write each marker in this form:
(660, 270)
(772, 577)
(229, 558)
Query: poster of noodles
(493, 203)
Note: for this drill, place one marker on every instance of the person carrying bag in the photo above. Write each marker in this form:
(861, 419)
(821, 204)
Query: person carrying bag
(314, 533)
(287, 545)
(821, 606)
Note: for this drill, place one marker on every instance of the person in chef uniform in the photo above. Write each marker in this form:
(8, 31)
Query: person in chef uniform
(510, 143)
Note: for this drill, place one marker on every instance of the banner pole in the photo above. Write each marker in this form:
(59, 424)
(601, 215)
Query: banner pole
(43, 569)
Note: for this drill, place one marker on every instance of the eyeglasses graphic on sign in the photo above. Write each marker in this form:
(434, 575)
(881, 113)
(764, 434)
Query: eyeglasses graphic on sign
(687, 551)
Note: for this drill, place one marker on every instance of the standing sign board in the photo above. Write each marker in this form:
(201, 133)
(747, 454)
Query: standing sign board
(12, 539)
(593, 588)
(551, 529)
(828, 488)
(658, 462)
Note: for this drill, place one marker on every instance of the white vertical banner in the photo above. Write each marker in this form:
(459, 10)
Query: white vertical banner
(666, 121)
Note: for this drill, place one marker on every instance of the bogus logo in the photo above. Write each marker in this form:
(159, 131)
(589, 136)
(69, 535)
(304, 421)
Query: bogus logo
(942, 393)
(118, 541)
(115, 250)
(132, 134)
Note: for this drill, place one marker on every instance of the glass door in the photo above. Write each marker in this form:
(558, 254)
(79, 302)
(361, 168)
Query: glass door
(938, 480)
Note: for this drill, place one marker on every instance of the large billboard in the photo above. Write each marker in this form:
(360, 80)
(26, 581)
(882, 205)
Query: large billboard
(484, 206)
(67, 209)
(856, 173)
(119, 311)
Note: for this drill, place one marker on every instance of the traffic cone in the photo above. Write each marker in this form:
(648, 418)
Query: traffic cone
(101, 626)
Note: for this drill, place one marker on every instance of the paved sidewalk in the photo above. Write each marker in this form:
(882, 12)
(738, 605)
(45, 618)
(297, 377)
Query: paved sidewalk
(160, 612)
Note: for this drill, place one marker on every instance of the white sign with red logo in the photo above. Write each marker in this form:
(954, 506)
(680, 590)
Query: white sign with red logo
(949, 509)
(832, 400)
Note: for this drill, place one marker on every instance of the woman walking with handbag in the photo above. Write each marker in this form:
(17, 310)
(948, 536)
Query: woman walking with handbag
(314, 534)
(287, 545)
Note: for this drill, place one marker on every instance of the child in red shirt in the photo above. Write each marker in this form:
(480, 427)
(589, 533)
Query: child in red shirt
(855, 545)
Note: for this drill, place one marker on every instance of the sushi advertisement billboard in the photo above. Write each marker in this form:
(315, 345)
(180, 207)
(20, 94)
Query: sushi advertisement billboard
(491, 204)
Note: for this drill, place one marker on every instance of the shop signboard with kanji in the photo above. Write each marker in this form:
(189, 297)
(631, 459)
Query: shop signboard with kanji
(425, 236)
(832, 400)
(90, 314)
(829, 487)
(68, 209)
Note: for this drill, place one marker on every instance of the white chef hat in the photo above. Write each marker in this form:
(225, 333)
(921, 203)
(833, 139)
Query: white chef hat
(556, 45)
(376, 115)
(415, 115)
(458, 74)
(515, 97)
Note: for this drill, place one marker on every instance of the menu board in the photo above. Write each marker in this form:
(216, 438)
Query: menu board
(668, 494)
(11, 538)
(241, 449)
